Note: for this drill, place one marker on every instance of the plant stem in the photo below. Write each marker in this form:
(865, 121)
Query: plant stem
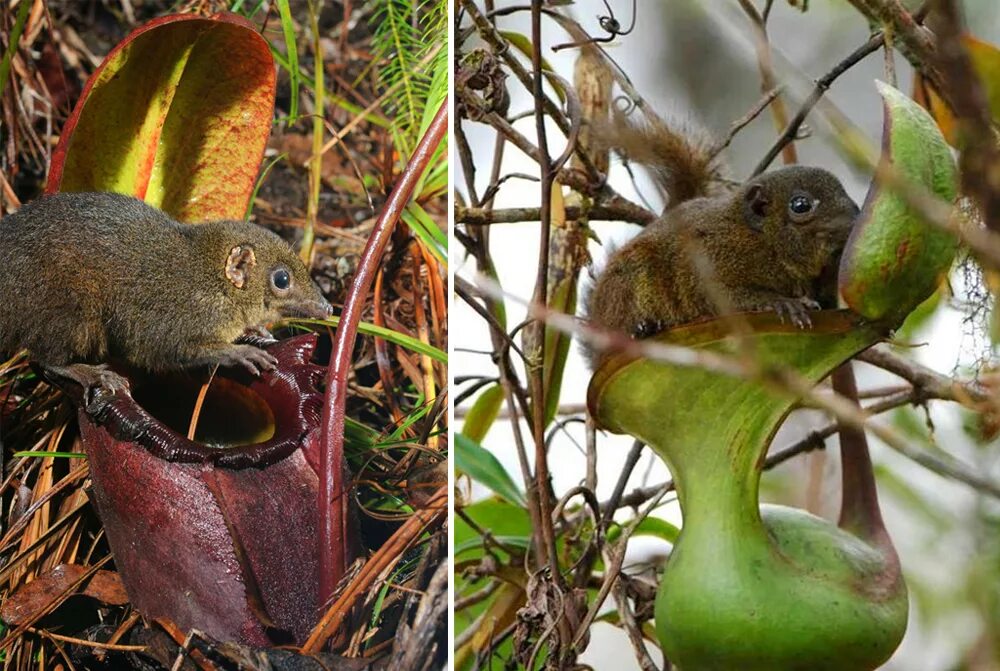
(333, 495)
(316, 160)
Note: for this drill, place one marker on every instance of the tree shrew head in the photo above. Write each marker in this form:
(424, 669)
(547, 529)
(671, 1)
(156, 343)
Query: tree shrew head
(265, 270)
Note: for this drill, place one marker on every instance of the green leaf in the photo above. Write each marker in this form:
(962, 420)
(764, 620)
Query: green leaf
(507, 522)
(651, 526)
(483, 413)
(479, 464)
(406, 34)
(893, 259)
(395, 337)
(178, 114)
(657, 528)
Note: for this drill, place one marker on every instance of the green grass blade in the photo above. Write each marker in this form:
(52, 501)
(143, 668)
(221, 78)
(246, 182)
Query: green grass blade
(288, 28)
(260, 181)
(395, 337)
(15, 37)
(426, 229)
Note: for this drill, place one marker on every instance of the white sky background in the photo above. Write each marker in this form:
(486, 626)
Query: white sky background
(680, 84)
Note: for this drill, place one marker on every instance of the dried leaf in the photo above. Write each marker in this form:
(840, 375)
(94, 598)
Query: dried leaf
(24, 604)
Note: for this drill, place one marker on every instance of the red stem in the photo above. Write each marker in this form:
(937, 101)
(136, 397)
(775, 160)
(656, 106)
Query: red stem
(333, 500)
(859, 512)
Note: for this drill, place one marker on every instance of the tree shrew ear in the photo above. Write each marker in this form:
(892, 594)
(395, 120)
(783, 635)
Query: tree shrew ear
(757, 203)
(241, 260)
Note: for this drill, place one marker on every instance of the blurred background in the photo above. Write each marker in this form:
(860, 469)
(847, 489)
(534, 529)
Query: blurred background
(694, 62)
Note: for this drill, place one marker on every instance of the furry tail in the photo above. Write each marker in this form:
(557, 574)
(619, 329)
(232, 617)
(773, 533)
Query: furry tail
(681, 159)
(586, 294)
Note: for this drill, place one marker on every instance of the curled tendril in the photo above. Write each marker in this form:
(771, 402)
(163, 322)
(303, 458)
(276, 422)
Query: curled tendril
(609, 24)
(624, 104)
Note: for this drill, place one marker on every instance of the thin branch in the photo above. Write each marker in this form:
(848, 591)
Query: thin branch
(822, 86)
(767, 81)
(631, 627)
(913, 40)
(611, 505)
(614, 560)
(621, 211)
(745, 120)
(932, 383)
(980, 156)
(535, 334)
(570, 128)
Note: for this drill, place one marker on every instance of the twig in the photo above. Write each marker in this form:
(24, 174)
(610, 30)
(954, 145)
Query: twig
(847, 413)
(87, 644)
(914, 41)
(611, 505)
(391, 552)
(535, 334)
(889, 56)
(614, 566)
(933, 384)
(821, 87)
(980, 154)
(632, 627)
(618, 209)
(465, 292)
(500, 46)
(767, 81)
(744, 120)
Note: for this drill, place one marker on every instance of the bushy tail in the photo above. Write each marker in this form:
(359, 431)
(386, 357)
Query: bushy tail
(586, 294)
(681, 159)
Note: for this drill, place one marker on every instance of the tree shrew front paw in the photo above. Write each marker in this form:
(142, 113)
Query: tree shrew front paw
(647, 328)
(258, 336)
(252, 359)
(795, 310)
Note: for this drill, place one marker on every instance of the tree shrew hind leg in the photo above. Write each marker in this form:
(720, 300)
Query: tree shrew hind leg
(99, 382)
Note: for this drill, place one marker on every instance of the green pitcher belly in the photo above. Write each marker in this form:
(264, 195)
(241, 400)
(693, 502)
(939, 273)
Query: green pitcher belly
(802, 594)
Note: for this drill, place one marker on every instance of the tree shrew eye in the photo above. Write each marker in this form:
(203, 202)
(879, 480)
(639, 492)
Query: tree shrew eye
(281, 280)
(801, 205)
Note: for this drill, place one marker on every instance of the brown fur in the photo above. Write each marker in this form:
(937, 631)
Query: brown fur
(86, 277)
(679, 159)
(757, 261)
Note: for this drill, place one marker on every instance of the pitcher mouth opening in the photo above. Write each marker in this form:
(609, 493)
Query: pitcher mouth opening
(231, 414)
(243, 422)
